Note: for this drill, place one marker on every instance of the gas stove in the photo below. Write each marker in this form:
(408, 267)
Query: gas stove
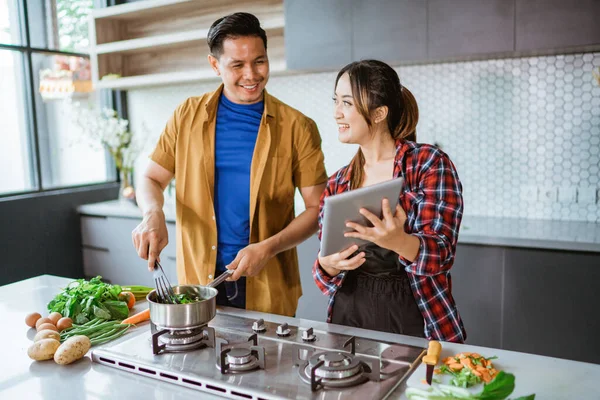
(241, 358)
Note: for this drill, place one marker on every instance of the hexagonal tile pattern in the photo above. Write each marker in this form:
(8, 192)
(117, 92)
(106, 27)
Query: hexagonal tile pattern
(508, 125)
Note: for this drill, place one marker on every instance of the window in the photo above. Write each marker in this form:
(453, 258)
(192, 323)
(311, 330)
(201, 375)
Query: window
(15, 146)
(10, 28)
(44, 65)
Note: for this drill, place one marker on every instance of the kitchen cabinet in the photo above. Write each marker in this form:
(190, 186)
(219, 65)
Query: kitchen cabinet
(477, 289)
(328, 35)
(551, 303)
(461, 28)
(389, 30)
(556, 24)
(318, 34)
(108, 251)
(529, 300)
(313, 303)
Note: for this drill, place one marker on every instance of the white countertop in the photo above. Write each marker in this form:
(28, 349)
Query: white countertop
(510, 232)
(22, 378)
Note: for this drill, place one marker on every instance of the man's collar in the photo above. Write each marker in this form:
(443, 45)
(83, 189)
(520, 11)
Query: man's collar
(213, 101)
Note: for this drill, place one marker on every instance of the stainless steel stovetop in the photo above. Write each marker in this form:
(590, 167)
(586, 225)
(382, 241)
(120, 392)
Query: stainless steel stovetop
(270, 362)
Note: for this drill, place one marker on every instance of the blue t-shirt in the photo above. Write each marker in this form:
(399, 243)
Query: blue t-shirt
(235, 137)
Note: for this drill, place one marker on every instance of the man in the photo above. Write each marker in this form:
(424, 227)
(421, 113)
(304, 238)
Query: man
(237, 155)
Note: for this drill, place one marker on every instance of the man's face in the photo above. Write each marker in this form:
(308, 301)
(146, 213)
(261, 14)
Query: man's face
(244, 69)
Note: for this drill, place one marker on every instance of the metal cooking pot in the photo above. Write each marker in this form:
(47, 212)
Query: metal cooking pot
(184, 316)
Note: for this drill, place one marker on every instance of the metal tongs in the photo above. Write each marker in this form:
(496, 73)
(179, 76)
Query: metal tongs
(221, 278)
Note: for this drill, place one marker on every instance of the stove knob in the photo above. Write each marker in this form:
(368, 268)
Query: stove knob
(283, 330)
(308, 335)
(259, 326)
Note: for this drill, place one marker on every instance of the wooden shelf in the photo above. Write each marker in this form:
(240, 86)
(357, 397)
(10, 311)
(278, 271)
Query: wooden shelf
(175, 39)
(159, 42)
(171, 78)
(148, 8)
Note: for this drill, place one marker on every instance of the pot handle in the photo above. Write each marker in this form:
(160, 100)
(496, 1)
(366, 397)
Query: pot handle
(221, 278)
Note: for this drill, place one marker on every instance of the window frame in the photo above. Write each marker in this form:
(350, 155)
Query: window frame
(114, 99)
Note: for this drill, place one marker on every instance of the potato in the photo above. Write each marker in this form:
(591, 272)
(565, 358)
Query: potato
(47, 325)
(72, 350)
(44, 320)
(46, 334)
(43, 349)
(32, 318)
(64, 323)
(54, 317)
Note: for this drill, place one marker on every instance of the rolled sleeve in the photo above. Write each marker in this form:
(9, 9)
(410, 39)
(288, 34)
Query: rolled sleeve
(326, 284)
(437, 221)
(164, 152)
(309, 162)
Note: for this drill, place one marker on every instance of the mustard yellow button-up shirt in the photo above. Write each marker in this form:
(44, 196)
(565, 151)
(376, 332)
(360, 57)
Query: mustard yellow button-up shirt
(287, 155)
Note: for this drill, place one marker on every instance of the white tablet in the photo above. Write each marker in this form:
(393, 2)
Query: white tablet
(344, 207)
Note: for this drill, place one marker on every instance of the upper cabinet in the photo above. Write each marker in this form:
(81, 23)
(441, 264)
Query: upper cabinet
(556, 24)
(461, 28)
(157, 42)
(329, 34)
(389, 30)
(318, 34)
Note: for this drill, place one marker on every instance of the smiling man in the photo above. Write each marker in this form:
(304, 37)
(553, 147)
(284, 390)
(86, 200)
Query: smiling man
(237, 154)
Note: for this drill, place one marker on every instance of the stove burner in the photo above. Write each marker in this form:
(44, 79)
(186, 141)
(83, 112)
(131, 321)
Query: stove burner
(335, 365)
(240, 359)
(335, 369)
(178, 340)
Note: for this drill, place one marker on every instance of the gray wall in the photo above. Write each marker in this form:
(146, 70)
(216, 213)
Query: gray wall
(41, 233)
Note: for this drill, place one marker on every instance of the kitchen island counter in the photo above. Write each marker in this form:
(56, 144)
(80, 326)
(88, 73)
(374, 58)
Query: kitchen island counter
(22, 378)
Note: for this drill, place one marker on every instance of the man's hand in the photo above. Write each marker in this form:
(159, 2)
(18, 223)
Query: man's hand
(387, 232)
(250, 261)
(150, 237)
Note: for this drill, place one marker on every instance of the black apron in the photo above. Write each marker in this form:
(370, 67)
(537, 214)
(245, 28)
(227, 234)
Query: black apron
(377, 296)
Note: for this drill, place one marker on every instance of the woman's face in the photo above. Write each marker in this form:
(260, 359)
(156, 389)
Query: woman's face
(352, 127)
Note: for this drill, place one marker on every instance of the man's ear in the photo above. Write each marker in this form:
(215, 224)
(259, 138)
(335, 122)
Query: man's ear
(380, 114)
(214, 64)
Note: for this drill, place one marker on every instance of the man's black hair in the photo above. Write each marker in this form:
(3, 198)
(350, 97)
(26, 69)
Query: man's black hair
(233, 26)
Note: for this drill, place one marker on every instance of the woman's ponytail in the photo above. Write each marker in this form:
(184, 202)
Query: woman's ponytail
(407, 127)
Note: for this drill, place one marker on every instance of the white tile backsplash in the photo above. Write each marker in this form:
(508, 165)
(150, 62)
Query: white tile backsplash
(524, 133)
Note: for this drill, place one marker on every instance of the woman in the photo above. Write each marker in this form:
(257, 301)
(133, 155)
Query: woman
(399, 282)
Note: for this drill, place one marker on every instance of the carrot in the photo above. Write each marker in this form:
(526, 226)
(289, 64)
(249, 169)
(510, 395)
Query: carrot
(137, 318)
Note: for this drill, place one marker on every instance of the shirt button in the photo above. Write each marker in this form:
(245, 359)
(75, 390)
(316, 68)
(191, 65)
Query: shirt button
(214, 247)
(210, 277)
(214, 218)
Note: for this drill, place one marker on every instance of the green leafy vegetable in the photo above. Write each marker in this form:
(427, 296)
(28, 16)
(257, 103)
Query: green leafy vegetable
(498, 389)
(117, 309)
(186, 298)
(464, 378)
(83, 301)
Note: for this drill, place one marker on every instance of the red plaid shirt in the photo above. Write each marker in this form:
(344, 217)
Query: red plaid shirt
(432, 200)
